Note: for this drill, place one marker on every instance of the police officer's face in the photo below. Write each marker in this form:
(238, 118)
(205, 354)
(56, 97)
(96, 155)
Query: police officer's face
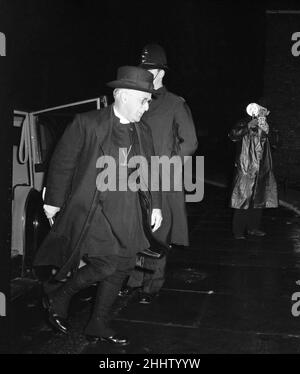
(137, 102)
(154, 72)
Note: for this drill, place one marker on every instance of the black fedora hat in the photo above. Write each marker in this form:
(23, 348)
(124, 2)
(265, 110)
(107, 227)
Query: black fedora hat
(153, 56)
(133, 78)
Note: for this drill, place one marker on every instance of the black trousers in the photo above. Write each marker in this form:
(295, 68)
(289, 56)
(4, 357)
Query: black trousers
(111, 274)
(245, 219)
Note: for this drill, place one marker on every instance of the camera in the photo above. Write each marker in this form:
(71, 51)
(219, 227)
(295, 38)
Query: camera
(255, 110)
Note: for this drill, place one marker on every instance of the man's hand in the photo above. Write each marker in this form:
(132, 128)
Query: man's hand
(156, 219)
(50, 210)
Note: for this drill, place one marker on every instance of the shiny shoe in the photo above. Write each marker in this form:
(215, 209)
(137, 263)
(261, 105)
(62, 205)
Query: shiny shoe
(88, 293)
(145, 299)
(239, 237)
(256, 232)
(60, 324)
(114, 339)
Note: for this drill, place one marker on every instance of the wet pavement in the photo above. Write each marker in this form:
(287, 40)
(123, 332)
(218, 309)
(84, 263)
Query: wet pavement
(221, 295)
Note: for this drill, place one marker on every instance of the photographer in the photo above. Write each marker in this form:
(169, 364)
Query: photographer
(254, 184)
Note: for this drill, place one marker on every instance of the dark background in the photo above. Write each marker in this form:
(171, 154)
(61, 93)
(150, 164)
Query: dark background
(63, 51)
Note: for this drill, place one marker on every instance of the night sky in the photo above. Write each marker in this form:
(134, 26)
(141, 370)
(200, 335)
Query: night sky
(64, 51)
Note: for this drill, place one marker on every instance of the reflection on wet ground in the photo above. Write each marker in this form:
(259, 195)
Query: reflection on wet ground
(220, 296)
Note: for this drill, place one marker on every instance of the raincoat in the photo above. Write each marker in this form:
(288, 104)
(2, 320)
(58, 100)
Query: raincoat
(254, 184)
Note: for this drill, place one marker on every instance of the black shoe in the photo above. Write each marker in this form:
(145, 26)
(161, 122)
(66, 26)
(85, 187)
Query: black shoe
(87, 294)
(239, 237)
(60, 324)
(150, 253)
(114, 339)
(256, 232)
(146, 299)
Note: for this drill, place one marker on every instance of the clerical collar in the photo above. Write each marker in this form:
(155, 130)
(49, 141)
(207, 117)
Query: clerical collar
(122, 119)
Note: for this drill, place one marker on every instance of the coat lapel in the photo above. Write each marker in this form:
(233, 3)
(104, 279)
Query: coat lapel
(145, 174)
(103, 133)
(104, 130)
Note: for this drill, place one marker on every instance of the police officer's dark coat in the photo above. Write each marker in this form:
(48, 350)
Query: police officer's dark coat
(71, 185)
(173, 131)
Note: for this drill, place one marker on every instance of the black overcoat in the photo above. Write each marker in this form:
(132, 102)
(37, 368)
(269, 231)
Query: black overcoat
(173, 131)
(71, 185)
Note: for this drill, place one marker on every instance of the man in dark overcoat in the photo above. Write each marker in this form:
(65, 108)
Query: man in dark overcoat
(103, 224)
(173, 131)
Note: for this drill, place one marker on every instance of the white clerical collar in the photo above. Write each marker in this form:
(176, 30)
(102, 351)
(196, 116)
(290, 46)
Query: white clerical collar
(122, 119)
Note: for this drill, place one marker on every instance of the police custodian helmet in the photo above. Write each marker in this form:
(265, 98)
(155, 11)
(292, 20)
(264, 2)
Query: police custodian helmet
(153, 56)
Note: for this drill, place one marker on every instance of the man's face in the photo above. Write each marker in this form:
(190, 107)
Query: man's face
(137, 103)
(155, 73)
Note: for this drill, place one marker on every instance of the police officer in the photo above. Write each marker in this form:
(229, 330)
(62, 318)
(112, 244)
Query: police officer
(173, 132)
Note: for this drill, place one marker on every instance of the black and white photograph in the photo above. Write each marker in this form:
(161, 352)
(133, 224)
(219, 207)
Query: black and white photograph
(150, 180)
